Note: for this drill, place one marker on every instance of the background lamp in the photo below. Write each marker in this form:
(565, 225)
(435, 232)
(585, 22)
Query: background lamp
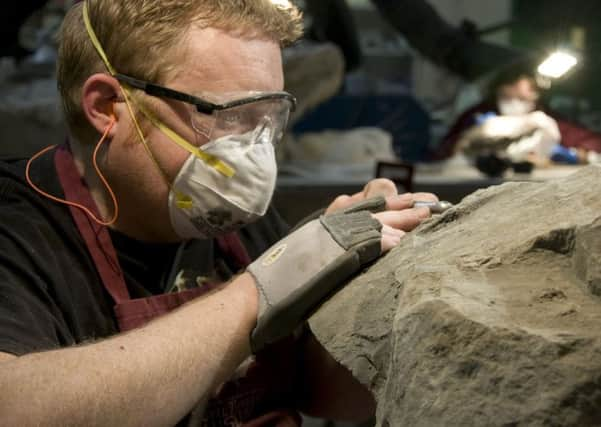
(282, 3)
(557, 64)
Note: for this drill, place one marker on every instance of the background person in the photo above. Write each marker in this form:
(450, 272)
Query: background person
(515, 94)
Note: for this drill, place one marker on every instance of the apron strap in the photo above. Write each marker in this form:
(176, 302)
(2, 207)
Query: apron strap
(98, 239)
(233, 249)
(96, 236)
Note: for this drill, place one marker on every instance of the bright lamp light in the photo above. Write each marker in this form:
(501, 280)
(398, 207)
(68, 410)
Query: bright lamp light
(281, 3)
(557, 64)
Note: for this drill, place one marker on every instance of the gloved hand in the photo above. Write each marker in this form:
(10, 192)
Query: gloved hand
(300, 271)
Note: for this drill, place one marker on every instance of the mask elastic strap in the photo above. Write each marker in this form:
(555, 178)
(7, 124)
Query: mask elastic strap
(209, 159)
(102, 178)
(183, 201)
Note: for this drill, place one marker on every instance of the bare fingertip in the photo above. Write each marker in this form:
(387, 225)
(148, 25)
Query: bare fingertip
(423, 212)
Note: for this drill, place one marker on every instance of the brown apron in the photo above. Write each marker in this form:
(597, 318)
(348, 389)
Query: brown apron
(260, 398)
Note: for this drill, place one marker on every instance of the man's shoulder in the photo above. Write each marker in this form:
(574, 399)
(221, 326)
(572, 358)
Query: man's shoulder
(12, 173)
(49, 285)
(15, 195)
(26, 215)
(15, 185)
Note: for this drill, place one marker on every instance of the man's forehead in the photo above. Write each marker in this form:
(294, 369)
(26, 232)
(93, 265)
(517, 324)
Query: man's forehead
(226, 61)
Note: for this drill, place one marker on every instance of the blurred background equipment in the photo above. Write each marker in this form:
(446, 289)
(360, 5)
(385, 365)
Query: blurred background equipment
(11, 21)
(428, 71)
(30, 113)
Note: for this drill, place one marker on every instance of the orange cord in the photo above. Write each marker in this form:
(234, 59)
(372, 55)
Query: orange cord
(77, 205)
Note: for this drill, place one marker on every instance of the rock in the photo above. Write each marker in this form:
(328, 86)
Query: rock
(487, 315)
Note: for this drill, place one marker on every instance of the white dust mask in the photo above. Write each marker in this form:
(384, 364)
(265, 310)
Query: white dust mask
(515, 106)
(221, 204)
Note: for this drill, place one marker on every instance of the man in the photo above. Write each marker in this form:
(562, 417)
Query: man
(120, 303)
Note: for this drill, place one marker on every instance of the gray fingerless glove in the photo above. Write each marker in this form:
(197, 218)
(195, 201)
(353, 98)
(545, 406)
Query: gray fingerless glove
(300, 271)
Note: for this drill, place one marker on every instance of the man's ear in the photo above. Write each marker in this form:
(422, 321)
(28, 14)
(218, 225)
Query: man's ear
(99, 94)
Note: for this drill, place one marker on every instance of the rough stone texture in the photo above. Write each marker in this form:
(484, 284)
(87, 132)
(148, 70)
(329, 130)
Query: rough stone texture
(488, 315)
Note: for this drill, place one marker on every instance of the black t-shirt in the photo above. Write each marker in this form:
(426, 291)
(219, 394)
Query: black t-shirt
(51, 295)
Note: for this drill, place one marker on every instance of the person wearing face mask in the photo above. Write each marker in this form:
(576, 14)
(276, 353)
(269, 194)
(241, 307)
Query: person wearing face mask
(513, 117)
(145, 278)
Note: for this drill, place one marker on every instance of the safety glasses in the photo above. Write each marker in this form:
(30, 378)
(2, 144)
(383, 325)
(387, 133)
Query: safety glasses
(265, 113)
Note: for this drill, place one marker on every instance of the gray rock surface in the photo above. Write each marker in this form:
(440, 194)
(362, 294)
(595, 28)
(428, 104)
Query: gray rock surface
(488, 315)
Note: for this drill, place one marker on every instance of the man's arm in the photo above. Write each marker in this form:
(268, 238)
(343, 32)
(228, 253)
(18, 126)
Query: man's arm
(152, 376)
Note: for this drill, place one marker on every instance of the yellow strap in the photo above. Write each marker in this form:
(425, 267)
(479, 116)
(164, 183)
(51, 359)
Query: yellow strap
(94, 39)
(209, 159)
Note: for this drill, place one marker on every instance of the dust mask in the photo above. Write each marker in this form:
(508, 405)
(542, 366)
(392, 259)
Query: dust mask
(220, 204)
(515, 106)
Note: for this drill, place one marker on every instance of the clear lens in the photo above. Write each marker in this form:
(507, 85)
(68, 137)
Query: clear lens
(267, 118)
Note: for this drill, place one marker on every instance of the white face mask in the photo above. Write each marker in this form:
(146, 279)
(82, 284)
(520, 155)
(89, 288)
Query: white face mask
(515, 106)
(221, 204)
